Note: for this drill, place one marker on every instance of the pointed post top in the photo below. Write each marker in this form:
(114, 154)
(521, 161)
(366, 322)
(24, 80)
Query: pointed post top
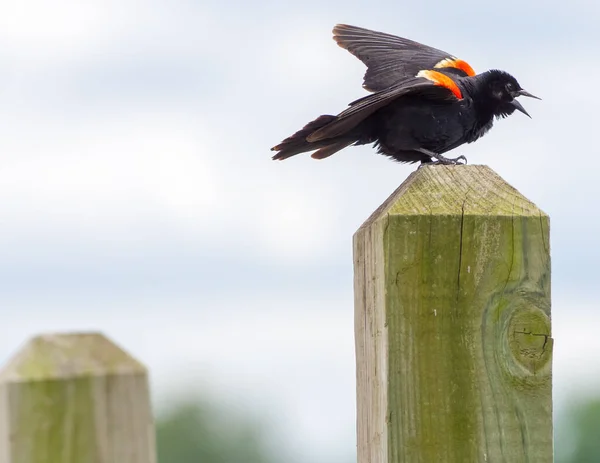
(61, 356)
(456, 190)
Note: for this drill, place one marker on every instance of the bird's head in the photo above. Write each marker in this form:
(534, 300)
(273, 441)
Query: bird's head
(502, 89)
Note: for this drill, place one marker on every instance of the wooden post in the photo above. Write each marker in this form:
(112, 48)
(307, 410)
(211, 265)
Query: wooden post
(75, 398)
(452, 320)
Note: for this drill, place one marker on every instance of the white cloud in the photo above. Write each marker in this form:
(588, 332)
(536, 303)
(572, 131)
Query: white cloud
(296, 224)
(36, 33)
(35, 28)
(100, 179)
(104, 173)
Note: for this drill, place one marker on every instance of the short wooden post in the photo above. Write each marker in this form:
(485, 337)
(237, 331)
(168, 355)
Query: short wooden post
(75, 398)
(452, 319)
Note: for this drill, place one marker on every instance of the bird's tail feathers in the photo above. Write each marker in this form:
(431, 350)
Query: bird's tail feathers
(297, 143)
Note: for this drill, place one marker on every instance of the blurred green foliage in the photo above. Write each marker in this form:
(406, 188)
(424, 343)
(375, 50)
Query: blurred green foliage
(578, 434)
(196, 432)
(199, 432)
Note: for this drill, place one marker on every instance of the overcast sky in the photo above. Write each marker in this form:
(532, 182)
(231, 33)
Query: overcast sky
(139, 198)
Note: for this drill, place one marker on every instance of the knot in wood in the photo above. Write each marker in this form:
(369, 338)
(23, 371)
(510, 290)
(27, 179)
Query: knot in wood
(528, 343)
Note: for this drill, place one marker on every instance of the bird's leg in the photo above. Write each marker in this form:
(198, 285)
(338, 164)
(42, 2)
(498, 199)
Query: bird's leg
(441, 160)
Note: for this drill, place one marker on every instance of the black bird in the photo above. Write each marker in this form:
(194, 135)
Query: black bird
(425, 102)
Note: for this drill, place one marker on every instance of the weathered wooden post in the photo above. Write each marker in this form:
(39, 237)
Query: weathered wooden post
(452, 320)
(75, 398)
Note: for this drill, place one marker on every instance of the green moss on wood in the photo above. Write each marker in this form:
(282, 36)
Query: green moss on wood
(75, 398)
(55, 421)
(467, 307)
(72, 355)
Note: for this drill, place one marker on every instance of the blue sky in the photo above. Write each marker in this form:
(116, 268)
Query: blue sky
(139, 197)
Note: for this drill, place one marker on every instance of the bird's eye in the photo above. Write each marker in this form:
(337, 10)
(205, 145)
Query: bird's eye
(510, 87)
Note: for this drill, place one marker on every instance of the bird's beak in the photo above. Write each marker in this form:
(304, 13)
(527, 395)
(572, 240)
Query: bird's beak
(520, 107)
(525, 93)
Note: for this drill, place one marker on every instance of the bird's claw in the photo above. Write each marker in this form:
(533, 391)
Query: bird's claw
(459, 161)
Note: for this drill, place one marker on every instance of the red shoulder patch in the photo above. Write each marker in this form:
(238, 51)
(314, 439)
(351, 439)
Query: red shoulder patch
(456, 63)
(442, 80)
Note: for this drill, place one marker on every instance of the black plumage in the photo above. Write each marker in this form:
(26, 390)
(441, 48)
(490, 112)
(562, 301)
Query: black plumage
(425, 102)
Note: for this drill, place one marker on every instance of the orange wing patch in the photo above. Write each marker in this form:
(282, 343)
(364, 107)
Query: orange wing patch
(442, 80)
(456, 63)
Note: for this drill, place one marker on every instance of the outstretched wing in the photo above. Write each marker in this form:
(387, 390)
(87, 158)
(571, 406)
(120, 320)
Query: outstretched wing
(362, 108)
(390, 59)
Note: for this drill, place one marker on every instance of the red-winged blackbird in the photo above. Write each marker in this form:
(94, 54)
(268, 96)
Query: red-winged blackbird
(425, 102)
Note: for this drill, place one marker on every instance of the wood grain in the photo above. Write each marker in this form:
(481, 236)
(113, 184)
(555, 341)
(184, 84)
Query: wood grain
(452, 319)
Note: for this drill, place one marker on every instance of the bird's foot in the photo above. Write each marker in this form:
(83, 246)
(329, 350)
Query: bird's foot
(459, 161)
(438, 159)
(441, 160)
